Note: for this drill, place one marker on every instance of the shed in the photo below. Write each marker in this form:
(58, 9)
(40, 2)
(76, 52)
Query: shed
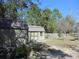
(36, 33)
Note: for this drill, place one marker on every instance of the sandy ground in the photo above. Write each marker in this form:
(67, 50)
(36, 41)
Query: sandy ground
(73, 53)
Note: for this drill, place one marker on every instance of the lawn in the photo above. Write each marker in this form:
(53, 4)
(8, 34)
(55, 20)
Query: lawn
(62, 43)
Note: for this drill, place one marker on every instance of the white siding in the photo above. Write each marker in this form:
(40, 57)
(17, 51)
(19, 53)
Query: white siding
(37, 36)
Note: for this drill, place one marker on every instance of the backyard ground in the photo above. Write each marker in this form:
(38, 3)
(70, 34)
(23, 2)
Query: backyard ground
(63, 43)
(67, 46)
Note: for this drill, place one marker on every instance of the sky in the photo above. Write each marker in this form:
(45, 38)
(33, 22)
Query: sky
(66, 7)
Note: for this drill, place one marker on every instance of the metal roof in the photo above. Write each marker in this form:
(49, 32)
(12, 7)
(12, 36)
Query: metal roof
(10, 24)
(36, 28)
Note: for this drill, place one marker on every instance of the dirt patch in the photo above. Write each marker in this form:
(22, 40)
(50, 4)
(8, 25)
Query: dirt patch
(68, 51)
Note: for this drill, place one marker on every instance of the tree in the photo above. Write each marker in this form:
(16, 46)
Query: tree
(69, 22)
(9, 7)
(66, 24)
(76, 28)
(56, 17)
(61, 26)
(2, 9)
(45, 19)
(56, 14)
(51, 26)
(33, 14)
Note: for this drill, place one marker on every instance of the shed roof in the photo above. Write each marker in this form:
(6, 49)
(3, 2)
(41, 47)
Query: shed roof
(36, 28)
(10, 24)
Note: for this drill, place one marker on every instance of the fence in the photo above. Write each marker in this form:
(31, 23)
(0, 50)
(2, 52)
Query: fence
(56, 36)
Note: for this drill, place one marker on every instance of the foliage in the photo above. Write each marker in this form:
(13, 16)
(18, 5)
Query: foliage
(33, 14)
(2, 9)
(77, 28)
(57, 14)
(23, 51)
(69, 23)
(30, 51)
(45, 18)
(66, 24)
(9, 7)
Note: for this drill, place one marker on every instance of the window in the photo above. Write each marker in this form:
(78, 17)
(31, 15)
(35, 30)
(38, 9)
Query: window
(32, 33)
(41, 33)
(36, 34)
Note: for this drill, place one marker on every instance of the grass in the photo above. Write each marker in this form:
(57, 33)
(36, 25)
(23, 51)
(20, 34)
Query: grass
(62, 43)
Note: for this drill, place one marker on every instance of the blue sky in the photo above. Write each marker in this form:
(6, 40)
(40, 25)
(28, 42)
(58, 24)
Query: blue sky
(65, 6)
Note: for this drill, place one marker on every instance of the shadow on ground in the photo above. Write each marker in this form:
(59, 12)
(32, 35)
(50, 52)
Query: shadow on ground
(47, 53)
(58, 53)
